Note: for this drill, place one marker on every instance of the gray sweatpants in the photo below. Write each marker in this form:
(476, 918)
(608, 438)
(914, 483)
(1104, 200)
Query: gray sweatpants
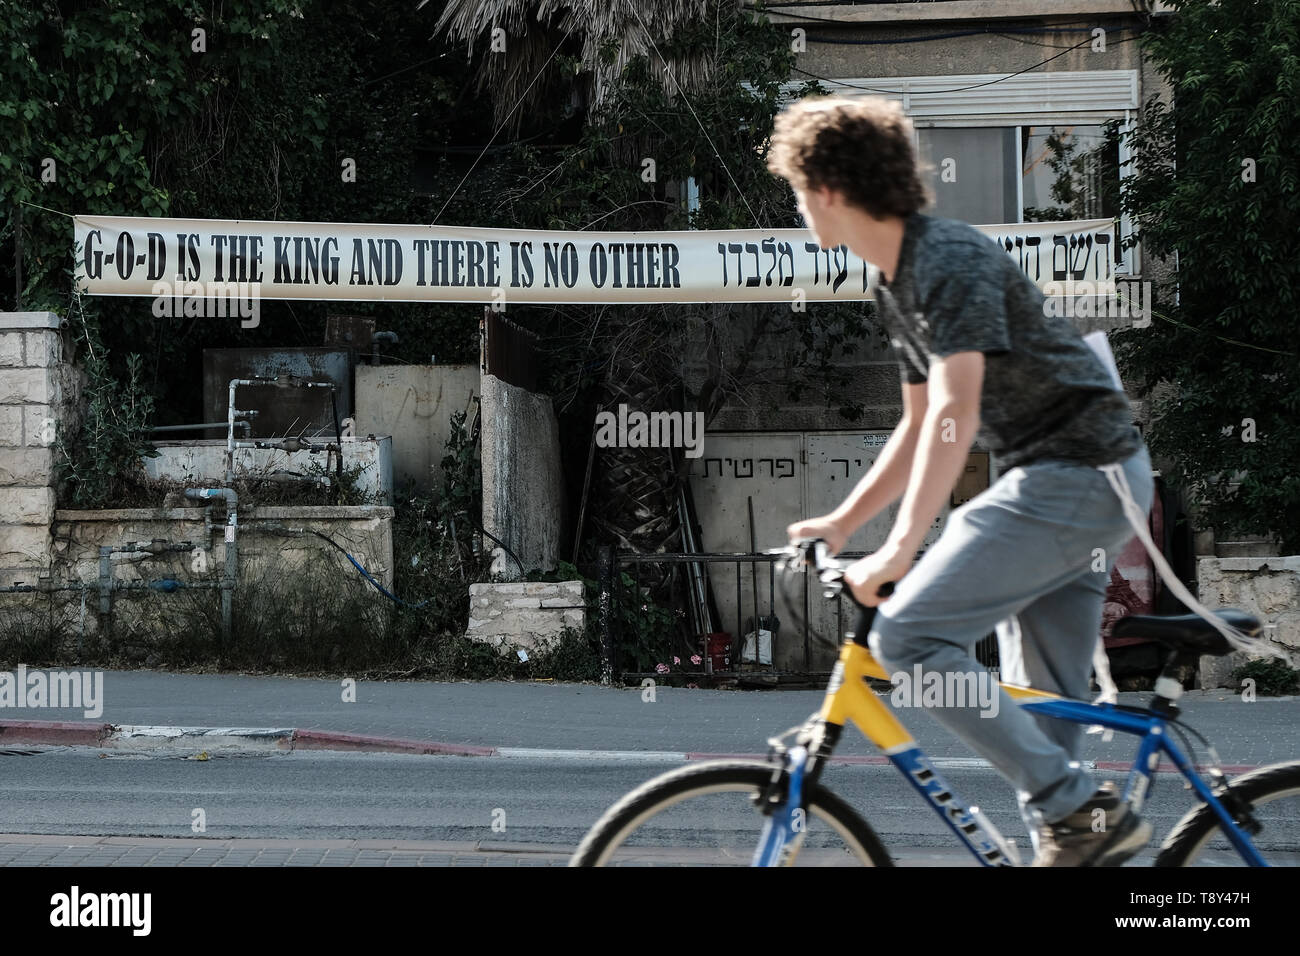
(1019, 557)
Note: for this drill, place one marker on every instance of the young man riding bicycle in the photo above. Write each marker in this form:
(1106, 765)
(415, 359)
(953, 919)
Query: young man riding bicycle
(979, 353)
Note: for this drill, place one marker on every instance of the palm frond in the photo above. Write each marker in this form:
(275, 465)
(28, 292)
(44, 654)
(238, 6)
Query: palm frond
(604, 37)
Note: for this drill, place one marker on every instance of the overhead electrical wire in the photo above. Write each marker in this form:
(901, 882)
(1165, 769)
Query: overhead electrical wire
(960, 89)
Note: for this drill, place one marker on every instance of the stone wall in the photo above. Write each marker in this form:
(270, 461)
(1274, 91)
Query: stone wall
(37, 390)
(365, 531)
(57, 552)
(279, 561)
(1268, 587)
(527, 614)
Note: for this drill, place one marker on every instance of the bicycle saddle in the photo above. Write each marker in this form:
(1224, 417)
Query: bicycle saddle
(1187, 632)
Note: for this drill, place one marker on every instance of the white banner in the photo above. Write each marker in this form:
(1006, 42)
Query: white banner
(195, 258)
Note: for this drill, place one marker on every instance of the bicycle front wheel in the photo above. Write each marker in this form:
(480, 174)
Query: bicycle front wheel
(704, 815)
(1274, 792)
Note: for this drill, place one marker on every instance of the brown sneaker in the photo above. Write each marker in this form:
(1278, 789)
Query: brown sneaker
(1074, 842)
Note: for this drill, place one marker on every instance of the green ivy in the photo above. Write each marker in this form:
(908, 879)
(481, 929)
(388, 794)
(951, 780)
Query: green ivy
(95, 465)
(1272, 677)
(137, 122)
(643, 631)
(462, 481)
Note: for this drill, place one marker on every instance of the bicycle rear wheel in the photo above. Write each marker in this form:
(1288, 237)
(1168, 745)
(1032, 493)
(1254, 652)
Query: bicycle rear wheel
(1274, 791)
(702, 815)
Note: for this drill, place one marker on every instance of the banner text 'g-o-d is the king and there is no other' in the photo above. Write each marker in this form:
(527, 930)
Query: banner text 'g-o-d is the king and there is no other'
(396, 263)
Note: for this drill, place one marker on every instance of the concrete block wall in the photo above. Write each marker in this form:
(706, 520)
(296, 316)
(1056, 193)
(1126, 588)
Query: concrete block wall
(203, 463)
(366, 531)
(291, 571)
(1268, 587)
(37, 389)
(527, 614)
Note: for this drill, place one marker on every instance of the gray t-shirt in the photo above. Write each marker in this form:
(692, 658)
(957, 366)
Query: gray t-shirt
(1046, 394)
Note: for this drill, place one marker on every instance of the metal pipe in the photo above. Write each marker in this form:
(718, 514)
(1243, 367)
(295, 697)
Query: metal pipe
(161, 584)
(43, 585)
(338, 437)
(106, 584)
(697, 625)
(105, 590)
(738, 634)
(166, 585)
(288, 477)
(156, 546)
(291, 443)
(204, 494)
(230, 427)
(247, 426)
(292, 381)
(390, 337)
(282, 381)
(230, 571)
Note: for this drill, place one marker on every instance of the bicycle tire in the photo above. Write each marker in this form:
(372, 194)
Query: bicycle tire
(1188, 839)
(670, 789)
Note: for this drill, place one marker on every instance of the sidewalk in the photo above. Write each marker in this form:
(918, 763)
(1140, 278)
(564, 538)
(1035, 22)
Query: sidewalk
(496, 718)
(19, 850)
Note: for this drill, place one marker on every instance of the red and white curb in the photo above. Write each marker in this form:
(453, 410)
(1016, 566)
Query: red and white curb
(129, 737)
(135, 737)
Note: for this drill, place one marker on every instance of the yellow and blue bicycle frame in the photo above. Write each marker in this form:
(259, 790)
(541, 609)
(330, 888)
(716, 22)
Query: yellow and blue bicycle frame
(850, 698)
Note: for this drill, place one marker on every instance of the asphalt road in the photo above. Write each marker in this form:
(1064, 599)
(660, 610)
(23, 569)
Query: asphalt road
(590, 717)
(543, 803)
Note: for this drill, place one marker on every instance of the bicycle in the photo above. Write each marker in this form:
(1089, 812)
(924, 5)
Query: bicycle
(796, 818)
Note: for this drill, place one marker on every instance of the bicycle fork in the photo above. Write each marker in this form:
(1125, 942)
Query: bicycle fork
(799, 766)
(784, 826)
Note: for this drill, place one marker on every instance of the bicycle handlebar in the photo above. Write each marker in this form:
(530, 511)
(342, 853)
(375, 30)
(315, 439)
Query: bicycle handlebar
(830, 570)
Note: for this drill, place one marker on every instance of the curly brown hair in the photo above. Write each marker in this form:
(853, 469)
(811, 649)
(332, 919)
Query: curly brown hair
(861, 147)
